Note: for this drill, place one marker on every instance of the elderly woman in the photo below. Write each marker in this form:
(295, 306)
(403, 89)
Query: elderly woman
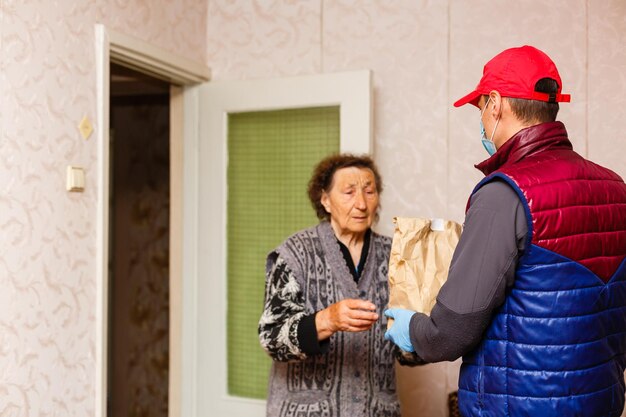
(325, 291)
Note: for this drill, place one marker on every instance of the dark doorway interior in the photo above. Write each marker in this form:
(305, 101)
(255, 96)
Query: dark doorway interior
(138, 351)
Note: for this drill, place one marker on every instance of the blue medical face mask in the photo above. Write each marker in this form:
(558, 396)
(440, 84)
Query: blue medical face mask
(490, 147)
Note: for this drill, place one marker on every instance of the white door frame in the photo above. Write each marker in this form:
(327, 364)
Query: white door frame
(114, 47)
(352, 92)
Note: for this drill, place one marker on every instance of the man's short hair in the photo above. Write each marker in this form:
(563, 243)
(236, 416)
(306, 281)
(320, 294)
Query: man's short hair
(535, 111)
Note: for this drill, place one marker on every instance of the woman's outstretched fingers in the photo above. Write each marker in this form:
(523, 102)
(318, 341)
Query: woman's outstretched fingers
(349, 315)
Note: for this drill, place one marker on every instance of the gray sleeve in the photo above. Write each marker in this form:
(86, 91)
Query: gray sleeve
(481, 271)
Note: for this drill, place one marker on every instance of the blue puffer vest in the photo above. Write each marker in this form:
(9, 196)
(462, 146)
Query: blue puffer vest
(557, 345)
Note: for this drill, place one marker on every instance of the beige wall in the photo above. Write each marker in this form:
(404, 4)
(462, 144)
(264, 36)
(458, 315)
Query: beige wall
(47, 235)
(424, 55)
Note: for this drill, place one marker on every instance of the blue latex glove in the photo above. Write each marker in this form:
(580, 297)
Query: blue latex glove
(399, 331)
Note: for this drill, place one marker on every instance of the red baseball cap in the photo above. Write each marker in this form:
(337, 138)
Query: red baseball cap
(514, 73)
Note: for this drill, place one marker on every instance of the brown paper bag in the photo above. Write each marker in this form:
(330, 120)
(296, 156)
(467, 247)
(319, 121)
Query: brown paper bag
(421, 252)
(418, 267)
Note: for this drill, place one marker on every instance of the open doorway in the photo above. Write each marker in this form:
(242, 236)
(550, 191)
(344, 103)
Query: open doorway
(139, 233)
(182, 78)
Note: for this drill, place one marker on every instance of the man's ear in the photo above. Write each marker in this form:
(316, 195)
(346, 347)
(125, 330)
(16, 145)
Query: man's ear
(495, 104)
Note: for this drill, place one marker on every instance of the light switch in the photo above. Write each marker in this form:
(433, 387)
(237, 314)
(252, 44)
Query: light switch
(85, 127)
(75, 179)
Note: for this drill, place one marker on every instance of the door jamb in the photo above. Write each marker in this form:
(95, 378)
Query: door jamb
(180, 72)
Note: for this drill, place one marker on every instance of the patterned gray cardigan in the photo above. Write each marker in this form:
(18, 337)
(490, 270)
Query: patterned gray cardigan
(353, 375)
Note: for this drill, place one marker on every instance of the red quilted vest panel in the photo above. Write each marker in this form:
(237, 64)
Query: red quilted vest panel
(578, 208)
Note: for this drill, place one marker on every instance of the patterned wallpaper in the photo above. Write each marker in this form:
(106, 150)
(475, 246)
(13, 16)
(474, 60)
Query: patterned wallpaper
(424, 55)
(47, 235)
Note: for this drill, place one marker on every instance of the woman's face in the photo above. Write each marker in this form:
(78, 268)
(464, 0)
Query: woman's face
(352, 200)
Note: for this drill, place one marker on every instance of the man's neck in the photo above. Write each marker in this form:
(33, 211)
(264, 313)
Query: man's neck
(510, 127)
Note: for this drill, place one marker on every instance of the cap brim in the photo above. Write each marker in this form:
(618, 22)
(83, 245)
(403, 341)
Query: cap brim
(471, 98)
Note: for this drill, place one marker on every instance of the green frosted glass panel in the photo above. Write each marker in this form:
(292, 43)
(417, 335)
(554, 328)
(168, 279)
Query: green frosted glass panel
(271, 155)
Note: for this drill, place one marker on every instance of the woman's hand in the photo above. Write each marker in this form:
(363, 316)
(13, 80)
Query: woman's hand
(347, 315)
